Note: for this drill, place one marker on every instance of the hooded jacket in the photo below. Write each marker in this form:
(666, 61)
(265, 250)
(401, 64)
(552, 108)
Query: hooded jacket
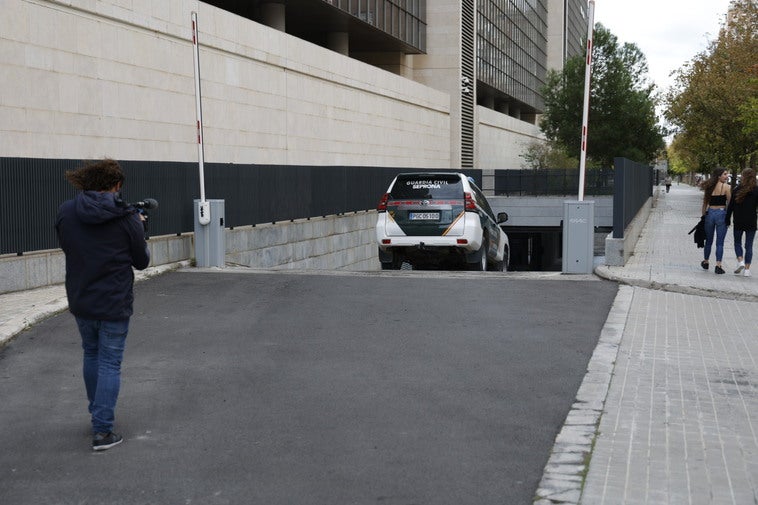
(103, 239)
(744, 212)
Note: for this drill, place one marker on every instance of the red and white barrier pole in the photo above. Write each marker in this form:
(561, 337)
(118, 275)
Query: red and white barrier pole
(586, 110)
(203, 206)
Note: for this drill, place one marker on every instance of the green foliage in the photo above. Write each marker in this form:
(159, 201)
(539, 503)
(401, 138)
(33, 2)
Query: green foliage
(713, 104)
(749, 117)
(622, 120)
(539, 155)
(681, 161)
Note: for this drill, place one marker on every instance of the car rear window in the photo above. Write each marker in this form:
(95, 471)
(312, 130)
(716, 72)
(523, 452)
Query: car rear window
(423, 186)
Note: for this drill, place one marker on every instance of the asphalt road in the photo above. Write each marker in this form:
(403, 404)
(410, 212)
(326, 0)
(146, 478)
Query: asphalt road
(308, 389)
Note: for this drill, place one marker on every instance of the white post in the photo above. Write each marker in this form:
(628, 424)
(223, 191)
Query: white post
(586, 110)
(203, 206)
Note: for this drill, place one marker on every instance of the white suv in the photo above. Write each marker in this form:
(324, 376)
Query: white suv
(439, 220)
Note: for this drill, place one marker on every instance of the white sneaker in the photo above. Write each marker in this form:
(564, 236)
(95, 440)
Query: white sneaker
(740, 267)
(747, 273)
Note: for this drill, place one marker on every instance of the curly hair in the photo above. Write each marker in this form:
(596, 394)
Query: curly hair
(747, 184)
(102, 175)
(710, 184)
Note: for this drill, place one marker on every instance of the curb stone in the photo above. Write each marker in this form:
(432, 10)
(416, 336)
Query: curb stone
(563, 478)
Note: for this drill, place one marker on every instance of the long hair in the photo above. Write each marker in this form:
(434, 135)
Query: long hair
(747, 184)
(100, 175)
(710, 184)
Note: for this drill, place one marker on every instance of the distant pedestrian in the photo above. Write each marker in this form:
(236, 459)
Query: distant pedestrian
(667, 181)
(717, 194)
(102, 239)
(743, 207)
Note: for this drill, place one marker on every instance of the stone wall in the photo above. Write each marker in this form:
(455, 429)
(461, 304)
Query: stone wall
(332, 243)
(85, 79)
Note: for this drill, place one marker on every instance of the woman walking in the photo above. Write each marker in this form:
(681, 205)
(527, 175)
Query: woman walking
(715, 200)
(743, 207)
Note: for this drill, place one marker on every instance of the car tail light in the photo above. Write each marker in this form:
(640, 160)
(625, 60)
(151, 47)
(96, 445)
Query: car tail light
(470, 203)
(462, 241)
(382, 207)
(386, 241)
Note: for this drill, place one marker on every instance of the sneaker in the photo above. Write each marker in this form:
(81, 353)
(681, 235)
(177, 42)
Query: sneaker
(704, 264)
(103, 441)
(718, 270)
(740, 267)
(747, 273)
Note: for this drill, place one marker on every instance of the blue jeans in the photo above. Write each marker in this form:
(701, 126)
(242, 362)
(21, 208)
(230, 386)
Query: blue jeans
(749, 237)
(103, 343)
(715, 220)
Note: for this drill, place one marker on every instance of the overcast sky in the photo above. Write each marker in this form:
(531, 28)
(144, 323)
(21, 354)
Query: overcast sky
(669, 32)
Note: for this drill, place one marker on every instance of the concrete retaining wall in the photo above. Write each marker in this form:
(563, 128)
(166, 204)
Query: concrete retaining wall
(48, 267)
(326, 243)
(332, 242)
(547, 211)
(618, 250)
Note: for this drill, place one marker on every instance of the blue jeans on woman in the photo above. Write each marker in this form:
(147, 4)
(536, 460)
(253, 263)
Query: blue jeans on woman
(103, 343)
(748, 252)
(715, 220)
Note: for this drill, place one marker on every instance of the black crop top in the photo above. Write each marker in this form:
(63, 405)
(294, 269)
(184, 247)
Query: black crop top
(717, 201)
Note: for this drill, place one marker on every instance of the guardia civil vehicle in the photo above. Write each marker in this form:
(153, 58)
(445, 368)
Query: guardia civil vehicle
(439, 220)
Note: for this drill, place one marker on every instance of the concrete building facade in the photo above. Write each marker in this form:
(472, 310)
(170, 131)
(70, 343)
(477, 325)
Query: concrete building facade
(310, 82)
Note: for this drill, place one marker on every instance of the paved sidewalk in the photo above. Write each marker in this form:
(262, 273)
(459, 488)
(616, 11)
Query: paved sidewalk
(22, 309)
(668, 411)
(667, 258)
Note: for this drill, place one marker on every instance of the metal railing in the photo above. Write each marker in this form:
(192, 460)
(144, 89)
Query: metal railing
(31, 190)
(634, 185)
(553, 182)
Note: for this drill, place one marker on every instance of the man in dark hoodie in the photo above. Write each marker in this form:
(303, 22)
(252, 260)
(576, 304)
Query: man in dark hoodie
(102, 238)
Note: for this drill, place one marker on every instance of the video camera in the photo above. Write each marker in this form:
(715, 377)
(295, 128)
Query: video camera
(142, 207)
(147, 203)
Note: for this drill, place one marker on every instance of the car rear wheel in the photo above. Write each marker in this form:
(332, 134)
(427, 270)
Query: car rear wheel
(394, 264)
(481, 265)
(497, 266)
(502, 266)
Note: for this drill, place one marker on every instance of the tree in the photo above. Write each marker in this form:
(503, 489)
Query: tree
(622, 119)
(681, 161)
(540, 155)
(713, 103)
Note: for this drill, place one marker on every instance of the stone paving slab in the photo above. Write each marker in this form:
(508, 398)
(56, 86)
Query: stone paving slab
(666, 257)
(680, 422)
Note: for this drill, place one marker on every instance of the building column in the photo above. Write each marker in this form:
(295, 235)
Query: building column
(273, 15)
(338, 42)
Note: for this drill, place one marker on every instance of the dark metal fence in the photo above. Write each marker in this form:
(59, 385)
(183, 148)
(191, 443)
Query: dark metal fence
(634, 185)
(556, 182)
(31, 190)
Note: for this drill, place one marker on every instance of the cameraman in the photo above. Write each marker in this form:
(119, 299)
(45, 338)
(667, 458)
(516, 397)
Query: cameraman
(102, 238)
